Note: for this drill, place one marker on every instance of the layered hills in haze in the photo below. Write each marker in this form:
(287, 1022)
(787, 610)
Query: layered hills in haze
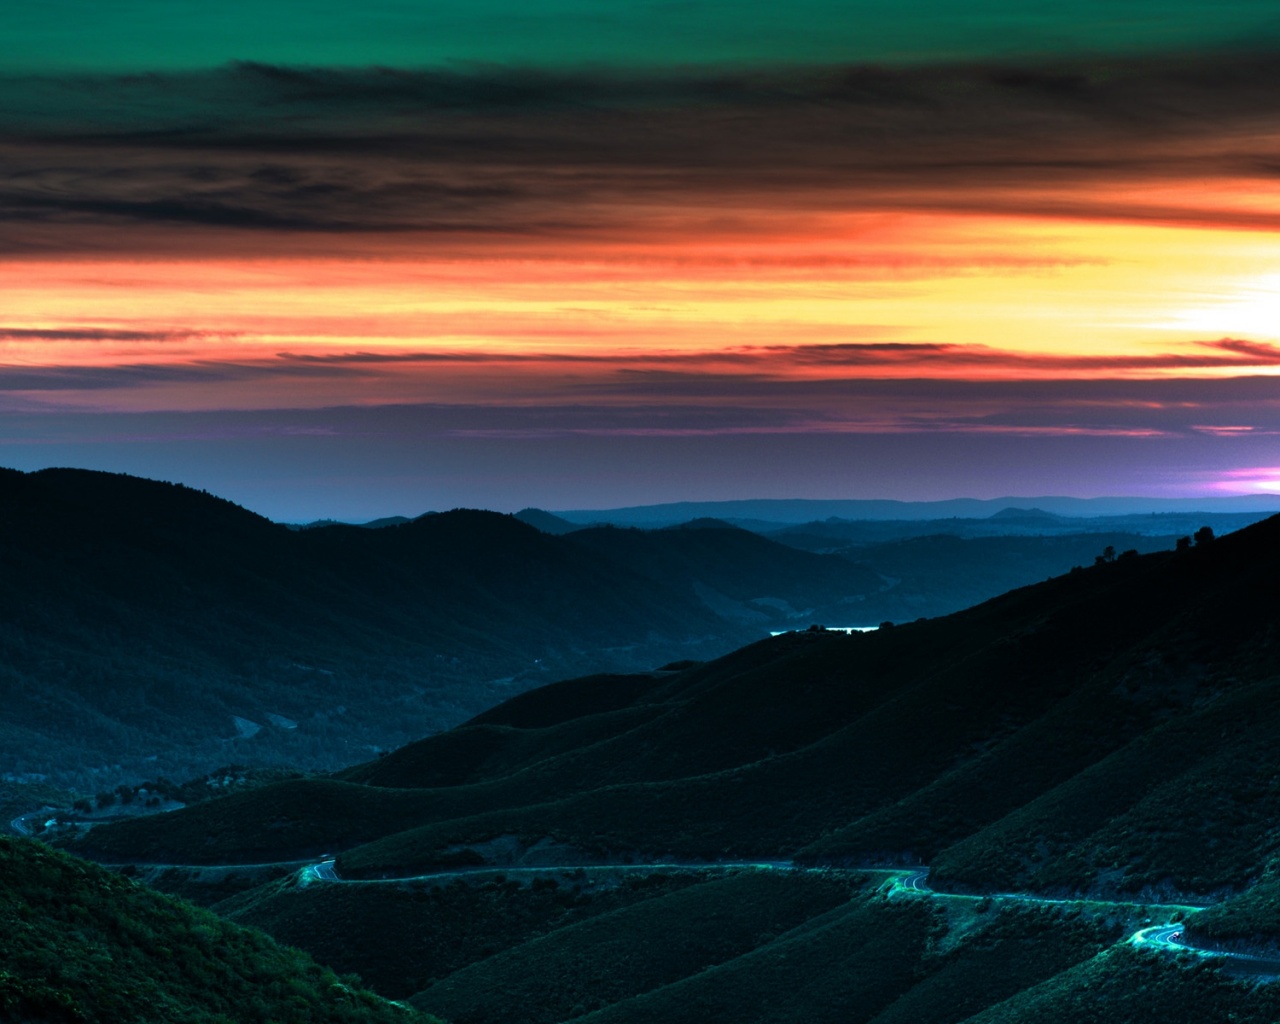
(154, 630)
(1105, 737)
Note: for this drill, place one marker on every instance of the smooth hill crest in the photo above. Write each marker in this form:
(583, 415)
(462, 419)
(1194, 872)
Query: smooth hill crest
(171, 628)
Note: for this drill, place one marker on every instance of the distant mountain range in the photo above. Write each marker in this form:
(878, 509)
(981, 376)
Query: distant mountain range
(1106, 736)
(792, 511)
(765, 515)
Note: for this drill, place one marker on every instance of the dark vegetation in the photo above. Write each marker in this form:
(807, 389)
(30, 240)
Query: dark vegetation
(1108, 734)
(870, 960)
(208, 886)
(79, 944)
(1248, 922)
(1128, 986)
(405, 938)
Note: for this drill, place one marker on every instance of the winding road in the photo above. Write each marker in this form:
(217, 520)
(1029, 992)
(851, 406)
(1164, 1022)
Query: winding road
(327, 870)
(1170, 938)
(1167, 938)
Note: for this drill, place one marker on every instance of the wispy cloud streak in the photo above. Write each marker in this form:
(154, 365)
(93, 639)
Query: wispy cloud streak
(487, 151)
(105, 334)
(904, 360)
(763, 391)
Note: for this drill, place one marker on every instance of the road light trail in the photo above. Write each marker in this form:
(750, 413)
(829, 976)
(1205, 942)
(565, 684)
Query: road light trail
(1172, 938)
(327, 870)
(1169, 938)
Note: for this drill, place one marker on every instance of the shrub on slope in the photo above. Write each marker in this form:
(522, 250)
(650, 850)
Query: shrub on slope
(1124, 985)
(78, 944)
(402, 938)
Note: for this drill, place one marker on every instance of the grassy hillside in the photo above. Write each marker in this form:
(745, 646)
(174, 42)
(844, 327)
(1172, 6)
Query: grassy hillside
(661, 940)
(78, 944)
(867, 960)
(1123, 984)
(684, 946)
(1107, 729)
(405, 937)
(1248, 921)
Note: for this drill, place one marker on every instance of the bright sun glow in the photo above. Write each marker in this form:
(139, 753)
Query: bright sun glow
(1251, 310)
(1261, 479)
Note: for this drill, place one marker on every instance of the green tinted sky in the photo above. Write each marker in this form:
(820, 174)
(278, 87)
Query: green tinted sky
(60, 35)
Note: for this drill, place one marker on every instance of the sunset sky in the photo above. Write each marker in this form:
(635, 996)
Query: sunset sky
(358, 260)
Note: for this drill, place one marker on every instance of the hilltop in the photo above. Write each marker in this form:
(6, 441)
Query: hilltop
(159, 630)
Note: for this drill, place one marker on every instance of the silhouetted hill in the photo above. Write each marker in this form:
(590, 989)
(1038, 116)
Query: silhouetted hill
(372, 524)
(1108, 733)
(739, 575)
(705, 523)
(158, 630)
(794, 511)
(546, 522)
(853, 536)
(1026, 515)
(151, 614)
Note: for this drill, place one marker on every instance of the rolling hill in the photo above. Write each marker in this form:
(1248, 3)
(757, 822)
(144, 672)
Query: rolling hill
(151, 629)
(80, 944)
(1105, 737)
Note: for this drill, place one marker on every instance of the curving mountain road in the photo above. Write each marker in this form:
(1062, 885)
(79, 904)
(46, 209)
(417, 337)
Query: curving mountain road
(1163, 936)
(1168, 938)
(327, 870)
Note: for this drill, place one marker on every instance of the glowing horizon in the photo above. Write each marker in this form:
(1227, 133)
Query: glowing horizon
(1021, 252)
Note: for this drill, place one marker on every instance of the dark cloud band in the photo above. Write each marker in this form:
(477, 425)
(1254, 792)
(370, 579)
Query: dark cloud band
(476, 152)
